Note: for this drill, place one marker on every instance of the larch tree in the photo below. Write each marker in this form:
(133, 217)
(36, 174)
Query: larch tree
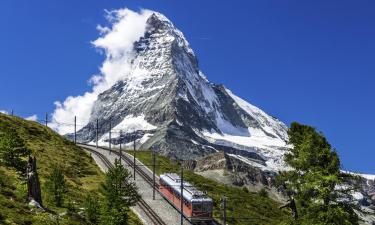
(315, 182)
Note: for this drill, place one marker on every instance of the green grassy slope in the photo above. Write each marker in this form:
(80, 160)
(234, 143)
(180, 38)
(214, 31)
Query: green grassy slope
(50, 149)
(243, 207)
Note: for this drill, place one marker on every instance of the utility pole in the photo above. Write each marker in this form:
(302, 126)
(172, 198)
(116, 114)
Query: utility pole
(12, 113)
(153, 173)
(97, 129)
(46, 119)
(120, 146)
(182, 194)
(75, 129)
(134, 155)
(110, 137)
(224, 199)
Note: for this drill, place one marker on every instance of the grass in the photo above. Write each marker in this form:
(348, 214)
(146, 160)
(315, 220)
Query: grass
(243, 207)
(50, 149)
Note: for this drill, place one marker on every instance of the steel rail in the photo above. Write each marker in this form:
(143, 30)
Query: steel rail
(141, 203)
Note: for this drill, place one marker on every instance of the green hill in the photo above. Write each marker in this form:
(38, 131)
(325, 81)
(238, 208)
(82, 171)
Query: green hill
(50, 149)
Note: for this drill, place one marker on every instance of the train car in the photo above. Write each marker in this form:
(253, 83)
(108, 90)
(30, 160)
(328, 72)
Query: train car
(197, 206)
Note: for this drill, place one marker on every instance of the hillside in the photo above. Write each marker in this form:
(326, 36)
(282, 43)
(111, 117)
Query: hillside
(50, 149)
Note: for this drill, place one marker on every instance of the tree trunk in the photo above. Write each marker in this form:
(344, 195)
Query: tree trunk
(33, 184)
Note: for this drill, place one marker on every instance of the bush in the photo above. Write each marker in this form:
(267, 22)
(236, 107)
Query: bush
(92, 208)
(56, 186)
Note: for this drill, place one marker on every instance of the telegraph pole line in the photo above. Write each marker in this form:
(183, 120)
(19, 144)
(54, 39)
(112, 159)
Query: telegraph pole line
(97, 131)
(75, 129)
(134, 155)
(110, 137)
(153, 173)
(46, 120)
(182, 194)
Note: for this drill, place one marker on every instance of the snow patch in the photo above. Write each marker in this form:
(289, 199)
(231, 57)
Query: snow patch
(268, 123)
(248, 161)
(131, 124)
(366, 176)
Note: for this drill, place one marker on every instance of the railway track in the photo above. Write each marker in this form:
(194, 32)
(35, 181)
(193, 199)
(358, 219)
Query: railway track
(154, 217)
(149, 180)
(145, 176)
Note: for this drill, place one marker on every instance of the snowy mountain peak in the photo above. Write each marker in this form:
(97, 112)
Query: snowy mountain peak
(175, 110)
(159, 21)
(159, 26)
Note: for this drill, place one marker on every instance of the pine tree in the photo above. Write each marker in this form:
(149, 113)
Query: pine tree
(56, 186)
(316, 182)
(92, 208)
(119, 193)
(13, 150)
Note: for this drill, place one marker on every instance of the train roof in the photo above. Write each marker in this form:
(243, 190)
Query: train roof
(190, 193)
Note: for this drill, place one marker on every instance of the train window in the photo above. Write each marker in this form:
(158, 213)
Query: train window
(207, 207)
(197, 207)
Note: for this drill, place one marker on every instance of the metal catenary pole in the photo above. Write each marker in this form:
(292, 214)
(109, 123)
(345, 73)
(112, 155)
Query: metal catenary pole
(134, 155)
(120, 145)
(97, 131)
(75, 129)
(153, 173)
(224, 210)
(110, 137)
(182, 194)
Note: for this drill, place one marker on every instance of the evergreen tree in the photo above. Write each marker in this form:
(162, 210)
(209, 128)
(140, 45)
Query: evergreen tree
(316, 182)
(92, 208)
(120, 193)
(56, 186)
(13, 150)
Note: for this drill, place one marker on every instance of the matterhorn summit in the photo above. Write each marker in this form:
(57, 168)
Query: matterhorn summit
(167, 104)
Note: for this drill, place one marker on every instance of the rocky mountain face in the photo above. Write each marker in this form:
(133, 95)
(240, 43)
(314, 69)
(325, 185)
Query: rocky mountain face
(167, 104)
(239, 172)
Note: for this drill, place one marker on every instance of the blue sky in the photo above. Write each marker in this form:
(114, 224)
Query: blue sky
(310, 61)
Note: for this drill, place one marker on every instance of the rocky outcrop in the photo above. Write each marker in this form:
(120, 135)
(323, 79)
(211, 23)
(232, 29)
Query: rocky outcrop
(241, 173)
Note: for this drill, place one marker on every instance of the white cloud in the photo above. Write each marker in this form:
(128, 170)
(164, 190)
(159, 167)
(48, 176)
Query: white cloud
(116, 41)
(4, 112)
(32, 118)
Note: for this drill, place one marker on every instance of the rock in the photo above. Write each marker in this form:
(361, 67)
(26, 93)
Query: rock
(241, 173)
(36, 204)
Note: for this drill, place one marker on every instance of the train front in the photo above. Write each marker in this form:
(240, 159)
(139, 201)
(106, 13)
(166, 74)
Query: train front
(201, 210)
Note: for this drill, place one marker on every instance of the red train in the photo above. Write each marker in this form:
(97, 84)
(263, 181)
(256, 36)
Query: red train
(197, 206)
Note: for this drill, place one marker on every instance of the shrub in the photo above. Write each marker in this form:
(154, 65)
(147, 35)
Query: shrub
(56, 186)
